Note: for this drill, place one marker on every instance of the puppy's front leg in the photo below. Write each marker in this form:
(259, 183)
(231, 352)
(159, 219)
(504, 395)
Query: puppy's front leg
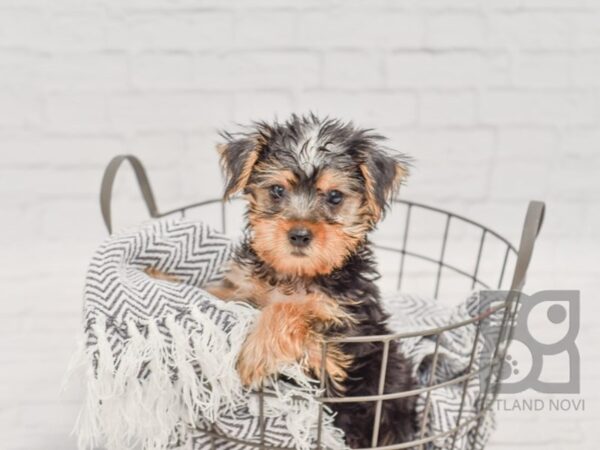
(291, 331)
(278, 338)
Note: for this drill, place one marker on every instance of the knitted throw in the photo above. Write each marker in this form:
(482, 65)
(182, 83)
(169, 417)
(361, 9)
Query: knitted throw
(160, 355)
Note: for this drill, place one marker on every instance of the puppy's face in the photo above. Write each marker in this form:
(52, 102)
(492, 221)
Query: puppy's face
(315, 188)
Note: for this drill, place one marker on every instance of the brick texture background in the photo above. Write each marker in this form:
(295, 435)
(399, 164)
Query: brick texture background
(497, 100)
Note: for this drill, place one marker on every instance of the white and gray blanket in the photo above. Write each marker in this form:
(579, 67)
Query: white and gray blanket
(160, 356)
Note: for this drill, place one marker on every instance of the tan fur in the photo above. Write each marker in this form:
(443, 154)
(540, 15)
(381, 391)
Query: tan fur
(240, 285)
(159, 275)
(331, 246)
(330, 179)
(332, 242)
(293, 319)
(275, 175)
(285, 334)
(371, 201)
(246, 172)
(287, 329)
(222, 291)
(242, 181)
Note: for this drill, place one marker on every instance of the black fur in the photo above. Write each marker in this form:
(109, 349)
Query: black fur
(354, 284)
(307, 145)
(340, 145)
(356, 281)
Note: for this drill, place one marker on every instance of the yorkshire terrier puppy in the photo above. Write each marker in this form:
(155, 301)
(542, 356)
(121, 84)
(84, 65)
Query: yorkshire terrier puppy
(315, 188)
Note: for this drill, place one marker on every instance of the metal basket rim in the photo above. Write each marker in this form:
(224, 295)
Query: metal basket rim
(531, 228)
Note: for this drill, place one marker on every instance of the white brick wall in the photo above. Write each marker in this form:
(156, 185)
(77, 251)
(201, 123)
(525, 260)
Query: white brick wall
(497, 100)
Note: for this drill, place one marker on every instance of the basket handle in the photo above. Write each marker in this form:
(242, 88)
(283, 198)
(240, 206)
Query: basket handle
(108, 181)
(531, 229)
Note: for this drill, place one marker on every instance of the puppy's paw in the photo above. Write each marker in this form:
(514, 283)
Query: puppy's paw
(289, 332)
(278, 338)
(255, 363)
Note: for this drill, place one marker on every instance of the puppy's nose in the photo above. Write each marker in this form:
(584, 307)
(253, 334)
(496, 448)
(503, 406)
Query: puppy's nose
(300, 237)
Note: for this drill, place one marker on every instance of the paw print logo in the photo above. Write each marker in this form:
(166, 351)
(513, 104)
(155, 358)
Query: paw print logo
(544, 333)
(509, 368)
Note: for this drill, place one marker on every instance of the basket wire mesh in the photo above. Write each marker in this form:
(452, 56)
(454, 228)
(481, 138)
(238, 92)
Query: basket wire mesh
(439, 267)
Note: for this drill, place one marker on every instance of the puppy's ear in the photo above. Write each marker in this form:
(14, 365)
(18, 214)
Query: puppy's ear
(383, 173)
(238, 157)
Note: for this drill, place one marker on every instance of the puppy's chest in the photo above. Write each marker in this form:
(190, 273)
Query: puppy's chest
(280, 294)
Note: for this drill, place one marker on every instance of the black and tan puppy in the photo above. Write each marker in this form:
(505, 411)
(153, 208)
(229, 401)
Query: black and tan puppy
(315, 189)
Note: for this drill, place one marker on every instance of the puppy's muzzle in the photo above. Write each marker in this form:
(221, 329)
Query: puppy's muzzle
(300, 237)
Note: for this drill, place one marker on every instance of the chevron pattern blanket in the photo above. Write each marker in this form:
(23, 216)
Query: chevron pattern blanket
(160, 356)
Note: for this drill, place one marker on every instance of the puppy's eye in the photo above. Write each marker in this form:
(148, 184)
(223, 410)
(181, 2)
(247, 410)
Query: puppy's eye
(334, 197)
(276, 191)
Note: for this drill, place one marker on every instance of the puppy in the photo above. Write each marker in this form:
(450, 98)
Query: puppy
(315, 188)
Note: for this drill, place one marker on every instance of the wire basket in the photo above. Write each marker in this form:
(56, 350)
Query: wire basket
(434, 270)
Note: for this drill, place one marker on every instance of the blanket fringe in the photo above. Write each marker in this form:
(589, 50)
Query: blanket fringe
(149, 394)
(300, 407)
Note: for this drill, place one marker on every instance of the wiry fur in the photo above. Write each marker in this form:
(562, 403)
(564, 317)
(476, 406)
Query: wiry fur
(327, 288)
